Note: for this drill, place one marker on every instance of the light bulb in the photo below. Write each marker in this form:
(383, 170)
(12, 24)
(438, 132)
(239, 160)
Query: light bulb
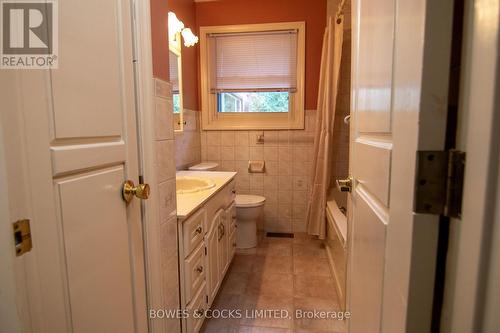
(174, 25)
(189, 38)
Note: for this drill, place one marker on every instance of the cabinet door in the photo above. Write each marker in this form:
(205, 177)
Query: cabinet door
(212, 257)
(231, 231)
(222, 245)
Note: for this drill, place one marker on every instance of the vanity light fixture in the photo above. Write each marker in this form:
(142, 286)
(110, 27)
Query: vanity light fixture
(189, 38)
(175, 26)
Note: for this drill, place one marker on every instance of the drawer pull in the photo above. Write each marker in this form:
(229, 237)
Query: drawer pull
(199, 230)
(199, 269)
(234, 244)
(233, 191)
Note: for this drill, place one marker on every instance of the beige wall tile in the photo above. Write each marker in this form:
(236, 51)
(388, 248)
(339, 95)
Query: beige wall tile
(213, 138)
(241, 153)
(167, 199)
(270, 153)
(256, 182)
(241, 138)
(227, 138)
(213, 153)
(164, 162)
(227, 154)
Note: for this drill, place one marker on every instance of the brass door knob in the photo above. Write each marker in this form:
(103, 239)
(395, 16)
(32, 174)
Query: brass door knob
(130, 190)
(344, 185)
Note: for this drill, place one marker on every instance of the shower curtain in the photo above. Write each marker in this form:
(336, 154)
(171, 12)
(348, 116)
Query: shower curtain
(327, 98)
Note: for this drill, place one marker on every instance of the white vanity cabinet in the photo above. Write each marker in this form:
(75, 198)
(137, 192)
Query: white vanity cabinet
(206, 248)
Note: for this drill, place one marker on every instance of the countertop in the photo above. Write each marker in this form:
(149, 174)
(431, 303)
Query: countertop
(187, 203)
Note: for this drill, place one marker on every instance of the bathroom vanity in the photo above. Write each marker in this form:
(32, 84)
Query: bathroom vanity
(206, 218)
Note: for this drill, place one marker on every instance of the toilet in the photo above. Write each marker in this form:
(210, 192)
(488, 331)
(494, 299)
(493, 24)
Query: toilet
(249, 209)
(205, 166)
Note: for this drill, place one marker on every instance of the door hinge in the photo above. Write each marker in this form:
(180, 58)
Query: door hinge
(22, 236)
(439, 182)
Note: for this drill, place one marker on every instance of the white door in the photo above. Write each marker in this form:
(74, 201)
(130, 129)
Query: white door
(400, 66)
(85, 272)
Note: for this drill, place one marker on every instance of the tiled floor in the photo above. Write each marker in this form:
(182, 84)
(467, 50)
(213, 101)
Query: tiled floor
(282, 273)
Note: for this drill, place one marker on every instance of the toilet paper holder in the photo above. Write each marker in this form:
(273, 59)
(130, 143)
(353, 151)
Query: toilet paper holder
(256, 166)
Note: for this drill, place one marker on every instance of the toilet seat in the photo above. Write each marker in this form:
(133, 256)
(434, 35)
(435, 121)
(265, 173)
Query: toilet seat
(248, 200)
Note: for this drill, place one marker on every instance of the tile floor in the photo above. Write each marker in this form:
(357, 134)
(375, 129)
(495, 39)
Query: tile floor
(281, 273)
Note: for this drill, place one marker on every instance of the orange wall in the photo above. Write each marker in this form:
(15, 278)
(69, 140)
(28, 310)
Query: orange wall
(224, 12)
(313, 12)
(185, 11)
(159, 38)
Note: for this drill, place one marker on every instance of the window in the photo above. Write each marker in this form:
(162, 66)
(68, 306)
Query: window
(253, 76)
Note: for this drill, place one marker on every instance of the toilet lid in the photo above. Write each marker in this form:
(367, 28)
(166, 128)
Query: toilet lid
(204, 166)
(247, 200)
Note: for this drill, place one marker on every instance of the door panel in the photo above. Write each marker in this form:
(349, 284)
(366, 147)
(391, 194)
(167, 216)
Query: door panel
(96, 244)
(368, 268)
(375, 60)
(377, 155)
(370, 160)
(88, 90)
(70, 158)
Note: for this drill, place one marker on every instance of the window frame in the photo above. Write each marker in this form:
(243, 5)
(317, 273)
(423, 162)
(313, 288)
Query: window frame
(214, 120)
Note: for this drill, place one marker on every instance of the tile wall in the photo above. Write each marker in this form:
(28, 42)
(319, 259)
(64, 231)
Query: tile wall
(187, 142)
(285, 184)
(165, 166)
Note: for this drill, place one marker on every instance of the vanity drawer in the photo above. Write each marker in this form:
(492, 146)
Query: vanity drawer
(196, 310)
(193, 230)
(194, 271)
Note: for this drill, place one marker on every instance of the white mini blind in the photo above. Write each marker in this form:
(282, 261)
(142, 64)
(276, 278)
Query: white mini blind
(253, 61)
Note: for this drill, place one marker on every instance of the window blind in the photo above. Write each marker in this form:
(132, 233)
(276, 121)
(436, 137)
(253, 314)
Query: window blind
(253, 61)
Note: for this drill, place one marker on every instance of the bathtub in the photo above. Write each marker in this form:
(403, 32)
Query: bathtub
(336, 241)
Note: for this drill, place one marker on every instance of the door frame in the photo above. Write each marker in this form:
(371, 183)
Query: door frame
(18, 204)
(145, 92)
(472, 269)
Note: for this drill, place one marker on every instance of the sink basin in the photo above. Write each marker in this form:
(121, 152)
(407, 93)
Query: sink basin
(186, 184)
